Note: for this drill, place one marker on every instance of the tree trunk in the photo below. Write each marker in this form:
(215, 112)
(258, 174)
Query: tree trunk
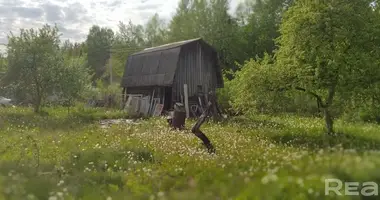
(329, 121)
(328, 117)
(37, 104)
(37, 107)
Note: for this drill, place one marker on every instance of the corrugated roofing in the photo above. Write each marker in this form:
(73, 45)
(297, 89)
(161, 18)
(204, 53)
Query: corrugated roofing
(155, 66)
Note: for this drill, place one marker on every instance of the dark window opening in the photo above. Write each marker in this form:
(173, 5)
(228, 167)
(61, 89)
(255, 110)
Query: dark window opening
(200, 89)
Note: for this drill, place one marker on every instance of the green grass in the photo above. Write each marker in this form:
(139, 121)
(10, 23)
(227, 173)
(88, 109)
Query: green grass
(260, 157)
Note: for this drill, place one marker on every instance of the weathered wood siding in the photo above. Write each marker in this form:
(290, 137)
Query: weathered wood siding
(196, 66)
(148, 91)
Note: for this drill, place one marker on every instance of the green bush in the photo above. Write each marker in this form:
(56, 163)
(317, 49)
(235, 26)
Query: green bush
(256, 88)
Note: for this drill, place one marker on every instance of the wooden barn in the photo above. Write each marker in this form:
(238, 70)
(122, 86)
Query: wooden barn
(164, 72)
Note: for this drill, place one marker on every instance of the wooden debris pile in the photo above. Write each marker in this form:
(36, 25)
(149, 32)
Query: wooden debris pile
(138, 104)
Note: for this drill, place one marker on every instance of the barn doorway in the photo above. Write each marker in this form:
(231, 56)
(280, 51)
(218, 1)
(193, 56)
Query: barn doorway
(168, 98)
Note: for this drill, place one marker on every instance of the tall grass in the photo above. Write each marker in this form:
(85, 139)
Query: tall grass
(257, 157)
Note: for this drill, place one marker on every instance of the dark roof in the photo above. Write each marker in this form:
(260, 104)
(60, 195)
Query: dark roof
(155, 66)
(167, 46)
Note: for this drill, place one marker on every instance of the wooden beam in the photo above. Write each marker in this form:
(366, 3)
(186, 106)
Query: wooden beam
(186, 100)
(151, 109)
(163, 98)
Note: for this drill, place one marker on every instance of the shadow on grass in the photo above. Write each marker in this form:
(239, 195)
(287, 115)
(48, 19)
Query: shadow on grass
(318, 141)
(250, 123)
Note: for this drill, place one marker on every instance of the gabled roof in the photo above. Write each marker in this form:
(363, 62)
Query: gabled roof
(155, 66)
(167, 46)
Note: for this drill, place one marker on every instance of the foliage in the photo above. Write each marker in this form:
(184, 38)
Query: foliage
(74, 49)
(33, 62)
(99, 42)
(132, 38)
(40, 71)
(326, 56)
(3, 69)
(253, 88)
(74, 81)
(155, 31)
(209, 20)
(224, 94)
(261, 24)
(290, 158)
(3, 63)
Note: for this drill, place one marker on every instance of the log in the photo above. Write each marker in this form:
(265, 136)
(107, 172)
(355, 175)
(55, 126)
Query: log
(197, 132)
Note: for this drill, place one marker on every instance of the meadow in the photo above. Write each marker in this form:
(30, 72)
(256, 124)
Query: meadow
(69, 155)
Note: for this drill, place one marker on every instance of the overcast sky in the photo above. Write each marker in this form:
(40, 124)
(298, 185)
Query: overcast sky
(75, 17)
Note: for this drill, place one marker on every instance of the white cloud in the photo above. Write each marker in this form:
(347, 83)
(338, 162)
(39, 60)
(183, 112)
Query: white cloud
(75, 17)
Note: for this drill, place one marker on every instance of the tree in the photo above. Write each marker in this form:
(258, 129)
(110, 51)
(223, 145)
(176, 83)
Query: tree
(99, 42)
(243, 11)
(328, 48)
(129, 39)
(3, 68)
(3, 63)
(74, 80)
(262, 24)
(182, 25)
(155, 31)
(210, 20)
(130, 34)
(33, 60)
(224, 34)
(38, 67)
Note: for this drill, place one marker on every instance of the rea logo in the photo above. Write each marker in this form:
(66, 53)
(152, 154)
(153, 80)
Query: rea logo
(351, 188)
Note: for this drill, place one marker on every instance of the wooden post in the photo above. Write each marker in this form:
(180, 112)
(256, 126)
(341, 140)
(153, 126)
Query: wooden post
(163, 98)
(186, 100)
(151, 109)
(123, 98)
(200, 63)
(206, 97)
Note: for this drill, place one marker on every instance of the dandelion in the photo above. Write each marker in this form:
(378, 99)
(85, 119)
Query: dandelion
(61, 182)
(246, 179)
(269, 178)
(30, 196)
(300, 182)
(160, 194)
